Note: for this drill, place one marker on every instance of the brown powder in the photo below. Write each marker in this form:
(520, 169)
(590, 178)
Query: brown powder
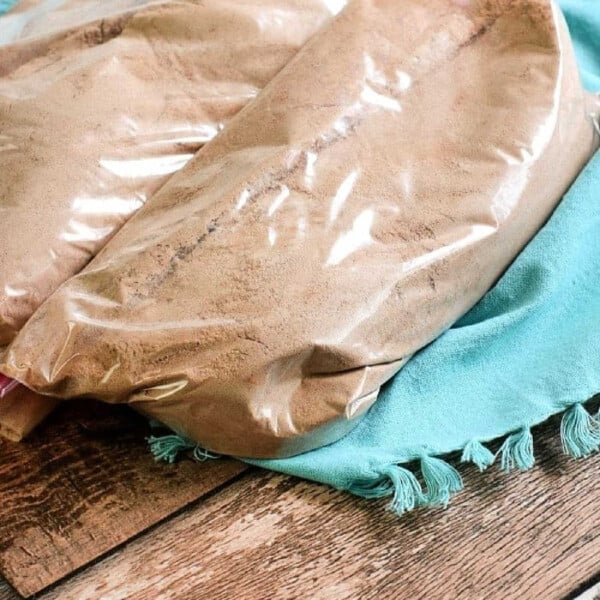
(361, 204)
(21, 411)
(101, 101)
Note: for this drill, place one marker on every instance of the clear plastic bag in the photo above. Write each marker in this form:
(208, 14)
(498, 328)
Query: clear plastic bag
(369, 196)
(7, 385)
(101, 101)
(21, 409)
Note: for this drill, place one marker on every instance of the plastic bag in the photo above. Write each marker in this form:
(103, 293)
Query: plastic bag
(21, 409)
(362, 203)
(101, 101)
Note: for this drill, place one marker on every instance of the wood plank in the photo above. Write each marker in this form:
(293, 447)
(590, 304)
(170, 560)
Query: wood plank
(83, 484)
(522, 536)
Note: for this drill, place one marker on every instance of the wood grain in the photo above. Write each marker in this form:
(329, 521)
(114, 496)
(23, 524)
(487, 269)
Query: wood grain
(534, 535)
(82, 485)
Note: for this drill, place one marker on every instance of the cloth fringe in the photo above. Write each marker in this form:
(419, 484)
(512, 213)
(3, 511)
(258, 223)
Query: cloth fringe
(579, 432)
(169, 448)
(580, 437)
(442, 480)
(475, 452)
(517, 451)
(395, 481)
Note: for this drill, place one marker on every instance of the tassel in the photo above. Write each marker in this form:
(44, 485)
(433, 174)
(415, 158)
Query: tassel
(517, 451)
(441, 479)
(476, 453)
(396, 481)
(407, 490)
(168, 447)
(579, 432)
(200, 454)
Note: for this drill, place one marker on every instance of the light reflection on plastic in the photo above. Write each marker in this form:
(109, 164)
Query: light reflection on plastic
(404, 80)
(335, 6)
(165, 390)
(146, 167)
(272, 236)
(358, 237)
(7, 385)
(13, 292)
(110, 372)
(370, 96)
(342, 195)
(244, 196)
(341, 124)
(302, 227)
(279, 199)
(478, 232)
(508, 194)
(507, 158)
(407, 183)
(114, 205)
(83, 318)
(373, 74)
(265, 19)
(311, 161)
(204, 133)
(82, 232)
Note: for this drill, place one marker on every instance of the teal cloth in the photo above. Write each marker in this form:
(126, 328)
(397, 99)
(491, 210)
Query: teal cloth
(583, 18)
(6, 5)
(528, 350)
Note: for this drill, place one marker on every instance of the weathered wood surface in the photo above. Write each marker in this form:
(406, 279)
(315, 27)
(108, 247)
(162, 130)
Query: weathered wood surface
(82, 485)
(525, 536)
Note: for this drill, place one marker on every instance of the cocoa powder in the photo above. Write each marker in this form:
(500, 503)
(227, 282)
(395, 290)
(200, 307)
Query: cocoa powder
(363, 202)
(101, 101)
(21, 411)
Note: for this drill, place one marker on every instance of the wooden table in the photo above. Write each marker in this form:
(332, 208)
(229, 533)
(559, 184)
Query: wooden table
(92, 516)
